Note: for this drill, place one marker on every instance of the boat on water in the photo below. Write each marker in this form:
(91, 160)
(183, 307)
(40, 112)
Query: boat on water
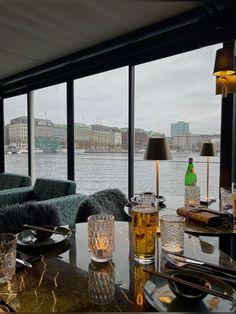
(80, 150)
(25, 151)
(105, 151)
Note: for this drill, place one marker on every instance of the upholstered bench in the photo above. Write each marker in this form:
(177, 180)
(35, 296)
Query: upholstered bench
(60, 193)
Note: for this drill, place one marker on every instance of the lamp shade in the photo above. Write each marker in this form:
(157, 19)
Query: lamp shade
(224, 62)
(208, 149)
(157, 149)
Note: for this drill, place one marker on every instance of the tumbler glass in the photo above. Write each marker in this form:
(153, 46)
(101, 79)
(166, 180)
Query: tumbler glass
(226, 198)
(172, 232)
(7, 256)
(234, 202)
(101, 237)
(192, 196)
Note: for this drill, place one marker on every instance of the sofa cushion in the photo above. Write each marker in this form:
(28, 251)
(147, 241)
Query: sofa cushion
(45, 189)
(11, 180)
(109, 201)
(12, 217)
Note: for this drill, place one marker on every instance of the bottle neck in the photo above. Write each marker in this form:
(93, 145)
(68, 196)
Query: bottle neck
(190, 165)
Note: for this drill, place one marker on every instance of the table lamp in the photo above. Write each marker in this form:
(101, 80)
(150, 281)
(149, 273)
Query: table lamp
(208, 150)
(157, 149)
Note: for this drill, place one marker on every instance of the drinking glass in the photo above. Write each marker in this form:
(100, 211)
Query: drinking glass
(172, 232)
(144, 225)
(226, 198)
(234, 202)
(7, 256)
(147, 198)
(101, 283)
(101, 237)
(192, 195)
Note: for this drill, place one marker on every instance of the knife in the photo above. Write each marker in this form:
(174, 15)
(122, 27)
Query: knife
(194, 261)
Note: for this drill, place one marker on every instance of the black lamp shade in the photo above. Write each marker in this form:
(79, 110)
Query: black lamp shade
(224, 62)
(157, 149)
(208, 150)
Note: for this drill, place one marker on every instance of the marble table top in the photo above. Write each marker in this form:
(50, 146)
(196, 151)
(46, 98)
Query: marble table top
(64, 279)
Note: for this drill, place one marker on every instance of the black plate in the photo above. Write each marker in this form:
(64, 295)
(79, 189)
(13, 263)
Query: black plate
(27, 239)
(158, 295)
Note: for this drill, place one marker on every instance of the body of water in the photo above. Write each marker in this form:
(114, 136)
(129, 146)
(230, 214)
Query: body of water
(97, 171)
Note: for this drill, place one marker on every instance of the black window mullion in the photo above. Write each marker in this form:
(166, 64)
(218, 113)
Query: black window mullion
(131, 132)
(2, 155)
(70, 131)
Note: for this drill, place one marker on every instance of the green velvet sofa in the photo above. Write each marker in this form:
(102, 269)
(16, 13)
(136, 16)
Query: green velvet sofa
(61, 193)
(13, 180)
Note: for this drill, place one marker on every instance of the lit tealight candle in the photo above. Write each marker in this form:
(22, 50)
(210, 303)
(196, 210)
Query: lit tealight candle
(101, 243)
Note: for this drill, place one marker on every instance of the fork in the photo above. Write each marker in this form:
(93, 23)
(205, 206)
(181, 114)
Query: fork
(180, 264)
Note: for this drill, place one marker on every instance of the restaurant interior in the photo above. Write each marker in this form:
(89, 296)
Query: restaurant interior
(71, 268)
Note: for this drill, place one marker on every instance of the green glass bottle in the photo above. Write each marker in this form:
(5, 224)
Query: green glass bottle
(190, 175)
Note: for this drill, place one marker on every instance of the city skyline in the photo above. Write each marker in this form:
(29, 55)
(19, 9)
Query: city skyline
(115, 128)
(163, 95)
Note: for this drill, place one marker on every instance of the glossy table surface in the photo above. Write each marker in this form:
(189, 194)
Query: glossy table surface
(62, 279)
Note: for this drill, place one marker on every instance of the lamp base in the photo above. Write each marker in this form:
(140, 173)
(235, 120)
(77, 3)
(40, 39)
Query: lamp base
(207, 200)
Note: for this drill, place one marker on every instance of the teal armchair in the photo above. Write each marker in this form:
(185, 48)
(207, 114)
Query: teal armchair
(12, 180)
(60, 193)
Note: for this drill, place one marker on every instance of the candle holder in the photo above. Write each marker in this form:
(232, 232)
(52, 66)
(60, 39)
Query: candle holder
(101, 237)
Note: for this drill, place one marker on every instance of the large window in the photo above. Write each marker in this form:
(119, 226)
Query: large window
(50, 130)
(101, 115)
(16, 136)
(175, 98)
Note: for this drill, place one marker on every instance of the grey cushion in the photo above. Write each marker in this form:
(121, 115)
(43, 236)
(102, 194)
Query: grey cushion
(12, 180)
(12, 217)
(110, 201)
(45, 189)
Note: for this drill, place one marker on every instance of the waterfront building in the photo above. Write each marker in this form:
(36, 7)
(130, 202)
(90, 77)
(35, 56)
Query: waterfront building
(191, 142)
(179, 128)
(59, 131)
(82, 136)
(18, 132)
(215, 138)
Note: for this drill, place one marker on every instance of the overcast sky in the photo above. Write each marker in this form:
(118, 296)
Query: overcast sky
(178, 88)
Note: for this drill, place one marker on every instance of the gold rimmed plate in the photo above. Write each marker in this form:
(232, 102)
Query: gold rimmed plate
(27, 239)
(159, 295)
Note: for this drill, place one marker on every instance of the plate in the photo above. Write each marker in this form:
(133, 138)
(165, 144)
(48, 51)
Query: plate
(161, 199)
(158, 295)
(26, 238)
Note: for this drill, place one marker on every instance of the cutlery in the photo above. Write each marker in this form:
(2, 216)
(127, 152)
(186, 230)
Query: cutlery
(22, 262)
(178, 259)
(223, 276)
(43, 229)
(193, 285)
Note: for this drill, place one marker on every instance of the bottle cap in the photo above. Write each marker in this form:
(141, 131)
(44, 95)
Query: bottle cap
(190, 160)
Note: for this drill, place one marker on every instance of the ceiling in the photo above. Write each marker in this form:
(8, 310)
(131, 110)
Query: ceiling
(34, 32)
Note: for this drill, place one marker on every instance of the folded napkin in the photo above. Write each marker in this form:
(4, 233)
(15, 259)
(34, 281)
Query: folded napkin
(205, 216)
